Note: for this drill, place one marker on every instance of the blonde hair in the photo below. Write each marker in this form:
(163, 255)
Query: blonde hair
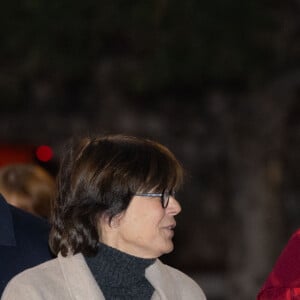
(29, 187)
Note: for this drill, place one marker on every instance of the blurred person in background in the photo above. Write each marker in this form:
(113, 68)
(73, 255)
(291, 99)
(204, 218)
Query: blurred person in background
(113, 218)
(283, 283)
(28, 187)
(28, 190)
(23, 241)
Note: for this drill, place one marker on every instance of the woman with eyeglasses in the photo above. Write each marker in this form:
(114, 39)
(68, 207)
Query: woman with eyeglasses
(113, 217)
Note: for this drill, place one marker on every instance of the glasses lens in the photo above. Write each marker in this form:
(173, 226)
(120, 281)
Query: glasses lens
(166, 196)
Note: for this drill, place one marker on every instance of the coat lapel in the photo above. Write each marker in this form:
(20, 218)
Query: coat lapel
(79, 279)
(162, 282)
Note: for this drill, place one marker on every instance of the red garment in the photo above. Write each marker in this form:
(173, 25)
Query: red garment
(284, 281)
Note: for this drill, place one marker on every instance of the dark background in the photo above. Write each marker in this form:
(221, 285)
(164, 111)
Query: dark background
(218, 82)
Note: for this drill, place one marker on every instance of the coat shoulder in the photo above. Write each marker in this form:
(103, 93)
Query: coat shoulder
(36, 282)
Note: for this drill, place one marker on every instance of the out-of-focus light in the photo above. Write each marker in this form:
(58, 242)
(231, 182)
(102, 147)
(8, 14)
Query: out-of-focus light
(44, 153)
(16, 153)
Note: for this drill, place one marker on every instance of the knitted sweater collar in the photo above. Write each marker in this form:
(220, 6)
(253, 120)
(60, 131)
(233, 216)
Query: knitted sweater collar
(116, 268)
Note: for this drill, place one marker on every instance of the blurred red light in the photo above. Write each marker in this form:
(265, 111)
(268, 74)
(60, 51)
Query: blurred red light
(44, 153)
(16, 153)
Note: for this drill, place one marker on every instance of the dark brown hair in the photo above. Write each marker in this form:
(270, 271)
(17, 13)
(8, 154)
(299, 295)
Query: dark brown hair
(101, 175)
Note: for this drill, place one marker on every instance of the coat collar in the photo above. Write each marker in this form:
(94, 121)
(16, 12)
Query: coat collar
(79, 279)
(161, 280)
(78, 275)
(7, 235)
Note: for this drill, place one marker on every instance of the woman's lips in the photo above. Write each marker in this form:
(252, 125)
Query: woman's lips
(170, 229)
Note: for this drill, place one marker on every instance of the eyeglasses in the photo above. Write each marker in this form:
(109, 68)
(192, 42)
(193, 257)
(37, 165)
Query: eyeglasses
(164, 196)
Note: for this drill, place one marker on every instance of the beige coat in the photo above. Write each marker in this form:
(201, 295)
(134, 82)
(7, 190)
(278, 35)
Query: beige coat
(69, 278)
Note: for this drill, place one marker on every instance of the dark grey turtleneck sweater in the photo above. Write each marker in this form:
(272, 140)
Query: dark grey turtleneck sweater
(120, 276)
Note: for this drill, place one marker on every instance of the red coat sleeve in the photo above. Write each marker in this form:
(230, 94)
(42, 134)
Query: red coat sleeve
(283, 282)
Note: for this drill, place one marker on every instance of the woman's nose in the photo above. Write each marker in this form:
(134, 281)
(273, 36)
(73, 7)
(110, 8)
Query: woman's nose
(174, 207)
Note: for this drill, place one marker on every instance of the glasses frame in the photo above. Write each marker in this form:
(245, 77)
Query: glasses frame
(164, 196)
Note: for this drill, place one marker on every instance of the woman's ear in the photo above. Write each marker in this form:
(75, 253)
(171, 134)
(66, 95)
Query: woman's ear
(107, 223)
(108, 228)
(115, 221)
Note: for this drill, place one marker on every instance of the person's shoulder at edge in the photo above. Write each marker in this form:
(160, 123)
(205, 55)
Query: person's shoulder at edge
(27, 219)
(7, 209)
(23, 241)
(7, 237)
(21, 225)
(283, 283)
